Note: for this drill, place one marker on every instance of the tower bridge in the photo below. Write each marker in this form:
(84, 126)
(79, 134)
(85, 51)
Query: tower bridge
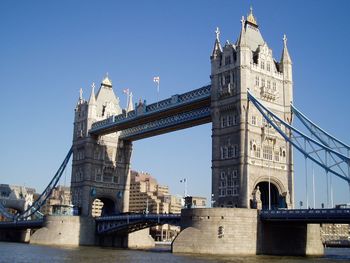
(250, 105)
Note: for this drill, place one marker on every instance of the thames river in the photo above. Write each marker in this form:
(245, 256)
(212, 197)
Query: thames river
(19, 252)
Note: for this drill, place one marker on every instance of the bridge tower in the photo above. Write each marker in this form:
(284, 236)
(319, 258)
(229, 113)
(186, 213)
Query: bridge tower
(100, 167)
(252, 165)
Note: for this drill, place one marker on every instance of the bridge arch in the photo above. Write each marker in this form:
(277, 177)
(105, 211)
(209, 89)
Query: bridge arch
(103, 206)
(260, 194)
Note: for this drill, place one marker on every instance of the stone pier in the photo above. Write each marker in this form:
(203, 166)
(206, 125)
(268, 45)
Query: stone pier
(81, 231)
(239, 231)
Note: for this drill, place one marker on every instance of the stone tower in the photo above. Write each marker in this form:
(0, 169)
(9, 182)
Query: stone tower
(252, 165)
(100, 167)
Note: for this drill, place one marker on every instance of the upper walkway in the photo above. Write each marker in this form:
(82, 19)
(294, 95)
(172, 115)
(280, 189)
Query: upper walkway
(175, 113)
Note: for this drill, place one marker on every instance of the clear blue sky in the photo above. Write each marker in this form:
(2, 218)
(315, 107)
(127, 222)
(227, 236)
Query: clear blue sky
(50, 49)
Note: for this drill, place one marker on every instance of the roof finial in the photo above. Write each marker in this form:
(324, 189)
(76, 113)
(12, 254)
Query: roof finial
(242, 21)
(217, 32)
(251, 19)
(81, 94)
(284, 39)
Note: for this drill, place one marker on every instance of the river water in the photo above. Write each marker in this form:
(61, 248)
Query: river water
(19, 252)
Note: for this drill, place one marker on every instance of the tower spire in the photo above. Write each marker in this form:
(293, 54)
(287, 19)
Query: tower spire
(130, 105)
(92, 99)
(250, 18)
(242, 39)
(81, 99)
(217, 50)
(285, 54)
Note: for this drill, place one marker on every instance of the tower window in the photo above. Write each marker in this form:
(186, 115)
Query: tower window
(227, 60)
(274, 86)
(262, 65)
(235, 151)
(230, 151)
(222, 175)
(223, 122)
(267, 152)
(230, 120)
(268, 66)
(103, 110)
(227, 79)
(235, 173)
(268, 84)
(253, 120)
(257, 81)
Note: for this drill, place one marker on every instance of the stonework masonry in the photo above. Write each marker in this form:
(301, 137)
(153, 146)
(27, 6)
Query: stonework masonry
(238, 231)
(100, 167)
(246, 151)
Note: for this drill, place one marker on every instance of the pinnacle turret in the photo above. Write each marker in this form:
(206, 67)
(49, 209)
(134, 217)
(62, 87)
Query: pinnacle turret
(285, 58)
(217, 50)
(130, 105)
(242, 36)
(92, 99)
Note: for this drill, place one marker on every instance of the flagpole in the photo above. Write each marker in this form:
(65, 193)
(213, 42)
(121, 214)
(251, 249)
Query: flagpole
(157, 93)
(157, 81)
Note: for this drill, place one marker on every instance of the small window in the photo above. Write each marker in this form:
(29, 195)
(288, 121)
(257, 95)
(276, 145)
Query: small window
(223, 122)
(229, 120)
(236, 152)
(253, 120)
(257, 81)
(227, 79)
(222, 175)
(227, 60)
(262, 65)
(268, 66)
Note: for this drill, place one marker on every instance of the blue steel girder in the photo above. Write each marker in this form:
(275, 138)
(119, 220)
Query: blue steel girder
(178, 121)
(320, 134)
(188, 101)
(329, 159)
(33, 210)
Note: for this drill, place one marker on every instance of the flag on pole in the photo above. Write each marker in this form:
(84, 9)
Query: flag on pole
(156, 80)
(126, 91)
(183, 180)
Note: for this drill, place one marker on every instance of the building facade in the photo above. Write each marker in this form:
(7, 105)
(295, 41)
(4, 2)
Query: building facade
(146, 195)
(100, 166)
(247, 153)
(60, 197)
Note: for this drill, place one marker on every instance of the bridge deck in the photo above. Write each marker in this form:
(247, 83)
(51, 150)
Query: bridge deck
(22, 224)
(130, 223)
(307, 215)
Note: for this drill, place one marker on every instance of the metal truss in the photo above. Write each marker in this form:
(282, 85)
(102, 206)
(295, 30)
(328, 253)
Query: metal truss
(320, 134)
(129, 223)
(33, 210)
(331, 160)
(171, 121)
(163, 105)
